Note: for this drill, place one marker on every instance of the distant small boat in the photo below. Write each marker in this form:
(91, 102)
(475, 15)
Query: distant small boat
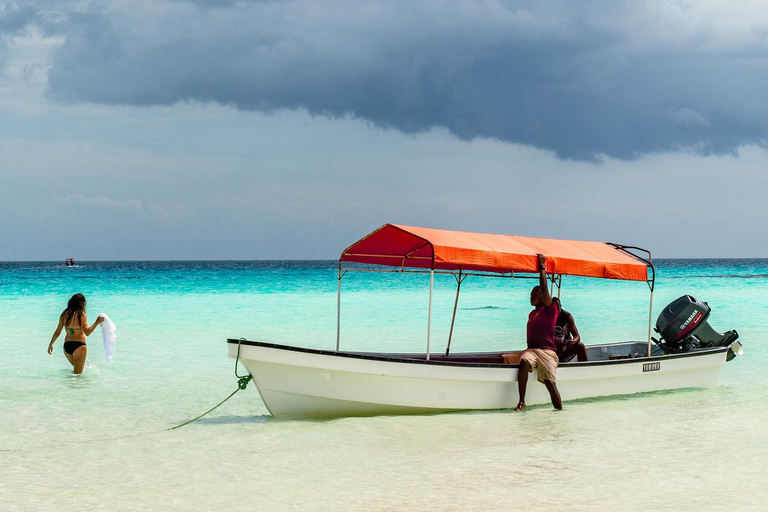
(69, 262)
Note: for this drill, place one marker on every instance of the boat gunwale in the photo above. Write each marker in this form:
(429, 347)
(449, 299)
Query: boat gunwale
(374, 357)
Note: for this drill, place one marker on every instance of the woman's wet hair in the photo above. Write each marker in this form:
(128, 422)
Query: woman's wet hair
(75, 308)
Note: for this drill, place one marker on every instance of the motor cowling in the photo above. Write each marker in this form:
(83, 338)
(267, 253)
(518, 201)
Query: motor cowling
(683, 326)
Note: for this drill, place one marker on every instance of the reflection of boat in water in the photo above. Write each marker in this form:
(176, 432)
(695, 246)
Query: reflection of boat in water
(69, 262)
(307, 383)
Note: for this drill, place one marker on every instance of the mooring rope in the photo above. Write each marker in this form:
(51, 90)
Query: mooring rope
(242, 383)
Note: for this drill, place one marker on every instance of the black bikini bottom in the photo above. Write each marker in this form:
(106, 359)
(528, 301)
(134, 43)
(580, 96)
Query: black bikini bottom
(71, 346)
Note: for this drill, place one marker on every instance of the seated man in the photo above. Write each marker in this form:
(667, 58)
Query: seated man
(567, 336)
(541, 352)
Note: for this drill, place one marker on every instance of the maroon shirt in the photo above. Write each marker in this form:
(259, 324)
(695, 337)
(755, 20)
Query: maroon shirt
(541, 327)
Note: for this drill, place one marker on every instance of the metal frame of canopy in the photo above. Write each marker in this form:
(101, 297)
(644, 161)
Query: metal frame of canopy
(555, 279)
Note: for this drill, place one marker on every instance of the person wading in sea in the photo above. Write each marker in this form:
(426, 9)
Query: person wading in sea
(542, 351)
(73, 319)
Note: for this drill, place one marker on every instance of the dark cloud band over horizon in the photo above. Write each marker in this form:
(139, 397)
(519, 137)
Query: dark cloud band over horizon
(583, 79)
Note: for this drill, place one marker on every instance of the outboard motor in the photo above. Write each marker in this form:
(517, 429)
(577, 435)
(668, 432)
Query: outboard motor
(683, 326)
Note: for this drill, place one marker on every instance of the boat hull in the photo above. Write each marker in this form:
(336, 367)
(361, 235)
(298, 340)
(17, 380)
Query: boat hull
(305, 383)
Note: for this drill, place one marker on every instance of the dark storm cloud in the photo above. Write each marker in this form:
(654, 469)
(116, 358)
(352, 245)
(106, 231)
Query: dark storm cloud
(15, 15)
(48, 16)
(578, 78)
(13, 18)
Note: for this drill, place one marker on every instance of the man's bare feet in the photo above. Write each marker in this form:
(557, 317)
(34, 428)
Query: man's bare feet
(520, 406)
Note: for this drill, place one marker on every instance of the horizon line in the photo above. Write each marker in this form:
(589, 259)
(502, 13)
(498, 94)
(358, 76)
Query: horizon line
(316, 260)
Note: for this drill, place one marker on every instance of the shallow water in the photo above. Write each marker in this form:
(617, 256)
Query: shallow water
(99, 440)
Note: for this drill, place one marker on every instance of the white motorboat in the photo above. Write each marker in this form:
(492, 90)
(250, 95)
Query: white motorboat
(299, 382)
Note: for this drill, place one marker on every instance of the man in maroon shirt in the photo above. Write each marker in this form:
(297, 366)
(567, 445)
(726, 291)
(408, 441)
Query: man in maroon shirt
(542, 351)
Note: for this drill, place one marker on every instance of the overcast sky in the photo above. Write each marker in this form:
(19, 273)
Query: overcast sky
(288, 129)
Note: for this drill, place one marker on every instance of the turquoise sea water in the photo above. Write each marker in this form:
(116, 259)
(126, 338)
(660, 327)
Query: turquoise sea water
(98, 441)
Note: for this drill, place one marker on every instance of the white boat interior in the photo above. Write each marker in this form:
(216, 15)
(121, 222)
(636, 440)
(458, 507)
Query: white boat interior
(595, 353)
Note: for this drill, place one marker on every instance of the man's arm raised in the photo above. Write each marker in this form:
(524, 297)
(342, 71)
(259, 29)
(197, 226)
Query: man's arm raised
(546, 298)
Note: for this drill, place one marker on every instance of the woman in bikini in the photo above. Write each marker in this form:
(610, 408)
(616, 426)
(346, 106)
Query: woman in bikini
(74, 321)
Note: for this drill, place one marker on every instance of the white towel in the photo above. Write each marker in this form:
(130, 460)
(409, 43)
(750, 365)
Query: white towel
(108, 333)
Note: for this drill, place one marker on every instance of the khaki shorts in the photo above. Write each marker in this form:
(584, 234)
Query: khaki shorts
(545, 360)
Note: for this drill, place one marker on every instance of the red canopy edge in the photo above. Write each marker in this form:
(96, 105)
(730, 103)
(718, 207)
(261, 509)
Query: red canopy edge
(415, 247)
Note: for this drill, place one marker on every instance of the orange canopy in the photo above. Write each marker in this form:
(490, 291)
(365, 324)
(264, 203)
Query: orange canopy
(438, 249)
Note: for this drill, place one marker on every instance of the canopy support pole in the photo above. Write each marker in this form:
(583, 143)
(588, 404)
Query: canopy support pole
(651, 284)
(429, 316)
(338, 309)
(455, 304)
(650, 319)
(555, 279)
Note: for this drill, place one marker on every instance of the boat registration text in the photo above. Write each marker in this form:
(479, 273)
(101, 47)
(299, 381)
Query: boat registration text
(651, 367)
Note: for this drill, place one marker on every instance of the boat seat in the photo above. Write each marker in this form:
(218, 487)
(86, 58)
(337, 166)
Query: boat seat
(470, 358)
